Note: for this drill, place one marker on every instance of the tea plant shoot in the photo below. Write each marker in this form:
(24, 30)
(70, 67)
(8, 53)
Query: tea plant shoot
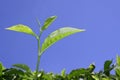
(50, 40)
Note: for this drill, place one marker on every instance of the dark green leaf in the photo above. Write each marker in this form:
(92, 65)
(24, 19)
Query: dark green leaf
(13, 71)
(107, 67)
(22, 67)
(91, 68)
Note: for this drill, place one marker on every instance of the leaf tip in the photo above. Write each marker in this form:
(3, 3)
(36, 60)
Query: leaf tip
(82, 30)
(54, 16)
(6, 28)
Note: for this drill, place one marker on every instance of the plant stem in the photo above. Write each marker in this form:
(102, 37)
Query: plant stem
(38, 59)
(39, 55)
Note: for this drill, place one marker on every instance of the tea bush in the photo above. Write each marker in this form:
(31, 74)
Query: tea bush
(23, 72)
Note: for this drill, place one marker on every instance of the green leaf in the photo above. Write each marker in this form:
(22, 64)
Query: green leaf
(13, 71)
(77, 73)
(48, 22)
(63, 73)
(22, 28)
(91, 68)
(47, 77)
(22, 67)
(117, 71)
(118, 60)
(1, 68)
(107, 67)
(105, 79)
(58, 35)
(117, 68)
(95, 77)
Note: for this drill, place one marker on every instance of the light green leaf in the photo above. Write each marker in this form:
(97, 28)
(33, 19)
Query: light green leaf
(117, 71)
(63, 73)
(22, 28)
(1, 68)
(48, 22)
(58, 35)
(22, 67)
(95, 77)
(118, 60)
(117, 68)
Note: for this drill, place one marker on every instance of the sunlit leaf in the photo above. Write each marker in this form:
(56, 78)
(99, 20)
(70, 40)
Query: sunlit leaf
(105, 78)
(63, 73)
(1, 68)
(77, 73)
(22, 28)
(58, 35)
(118, 60)
(95, 77)
(117, 68)
(48, 22)
(22, 67)
(117, 71)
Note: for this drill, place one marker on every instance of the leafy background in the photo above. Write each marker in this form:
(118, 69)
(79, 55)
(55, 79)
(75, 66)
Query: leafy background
(100, 42)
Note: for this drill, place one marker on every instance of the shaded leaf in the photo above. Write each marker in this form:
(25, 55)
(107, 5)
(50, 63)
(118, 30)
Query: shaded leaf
(48, 22)
(13, 71)
(91, 68)
(22, 67)
(22, 28)
(58, 35)
(107, 67)
(12, 74)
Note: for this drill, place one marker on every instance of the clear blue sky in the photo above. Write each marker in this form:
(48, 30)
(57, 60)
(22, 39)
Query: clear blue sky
(100, 42)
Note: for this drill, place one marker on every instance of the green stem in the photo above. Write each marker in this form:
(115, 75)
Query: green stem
(39, 55)
(38, 59)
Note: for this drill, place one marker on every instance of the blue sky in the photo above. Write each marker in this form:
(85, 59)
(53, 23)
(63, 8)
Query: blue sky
(100, 41)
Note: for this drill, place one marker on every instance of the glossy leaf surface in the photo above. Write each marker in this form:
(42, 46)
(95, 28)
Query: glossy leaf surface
(22, 28)
(58, 35)
(22, 67)
(48, 22)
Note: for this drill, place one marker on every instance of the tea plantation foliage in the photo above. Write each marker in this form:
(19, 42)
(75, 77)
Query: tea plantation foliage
(23, 72)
